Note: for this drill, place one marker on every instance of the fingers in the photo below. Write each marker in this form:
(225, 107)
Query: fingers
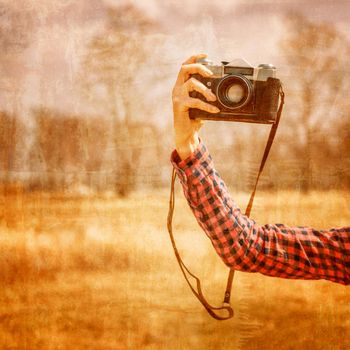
(194, 85)
(194, 68)
(185, 84)
(194, 58)
(199, 104)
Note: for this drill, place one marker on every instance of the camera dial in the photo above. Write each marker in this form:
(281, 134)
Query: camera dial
(265, 71)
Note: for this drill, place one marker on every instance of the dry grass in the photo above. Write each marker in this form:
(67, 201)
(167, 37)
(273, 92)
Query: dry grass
(99, 273)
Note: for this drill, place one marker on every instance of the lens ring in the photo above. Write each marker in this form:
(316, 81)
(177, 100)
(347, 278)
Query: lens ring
(222, 90)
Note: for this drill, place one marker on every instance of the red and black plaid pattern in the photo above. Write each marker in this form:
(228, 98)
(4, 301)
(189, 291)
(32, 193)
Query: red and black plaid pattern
(274, 250)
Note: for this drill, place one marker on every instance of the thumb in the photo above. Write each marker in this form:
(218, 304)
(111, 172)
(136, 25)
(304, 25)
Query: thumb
(198, 123)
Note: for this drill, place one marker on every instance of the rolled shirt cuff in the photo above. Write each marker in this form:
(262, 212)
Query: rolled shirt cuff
(195, 167)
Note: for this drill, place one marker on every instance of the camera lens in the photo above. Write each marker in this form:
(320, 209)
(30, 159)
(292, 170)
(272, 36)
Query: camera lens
(234, 91)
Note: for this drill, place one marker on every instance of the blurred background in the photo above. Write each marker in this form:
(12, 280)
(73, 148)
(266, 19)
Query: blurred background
(85, 142)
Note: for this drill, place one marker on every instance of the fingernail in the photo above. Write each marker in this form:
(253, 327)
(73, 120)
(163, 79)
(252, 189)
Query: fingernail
(215, 110)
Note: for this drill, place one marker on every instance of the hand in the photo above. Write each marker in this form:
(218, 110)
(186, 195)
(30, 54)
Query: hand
(186, 129)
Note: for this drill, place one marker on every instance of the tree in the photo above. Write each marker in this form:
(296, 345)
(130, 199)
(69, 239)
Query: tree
(316, 54)
(110, 77)
(16, 28)
(57, 152)
(342, 146)
(9, 139)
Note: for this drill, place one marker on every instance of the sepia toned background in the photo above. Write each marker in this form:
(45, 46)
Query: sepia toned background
(85, 141)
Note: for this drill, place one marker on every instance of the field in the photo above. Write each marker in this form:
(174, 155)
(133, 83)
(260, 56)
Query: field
(99, 272)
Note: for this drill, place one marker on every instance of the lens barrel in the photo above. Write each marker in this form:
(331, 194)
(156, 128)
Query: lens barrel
(234, 91)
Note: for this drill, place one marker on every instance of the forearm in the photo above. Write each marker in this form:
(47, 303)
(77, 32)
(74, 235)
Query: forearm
(212, 206)
(274, 250)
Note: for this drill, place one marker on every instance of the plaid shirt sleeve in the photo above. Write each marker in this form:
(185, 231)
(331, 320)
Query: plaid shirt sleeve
(271, 249)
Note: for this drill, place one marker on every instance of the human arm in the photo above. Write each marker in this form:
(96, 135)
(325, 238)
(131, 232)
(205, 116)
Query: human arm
(272, 249)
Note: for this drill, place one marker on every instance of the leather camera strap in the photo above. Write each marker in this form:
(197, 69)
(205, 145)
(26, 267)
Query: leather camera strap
(251, 200)
(225, 311)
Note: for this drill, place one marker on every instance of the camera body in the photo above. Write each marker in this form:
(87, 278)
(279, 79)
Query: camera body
(244, 93)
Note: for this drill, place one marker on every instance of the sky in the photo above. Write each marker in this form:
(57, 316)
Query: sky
(45, 72)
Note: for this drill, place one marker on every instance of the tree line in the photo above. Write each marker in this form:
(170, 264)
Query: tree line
(120, 148)
(73, 153)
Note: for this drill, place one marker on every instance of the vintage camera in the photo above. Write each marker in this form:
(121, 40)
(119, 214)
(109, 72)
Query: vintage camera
(244, 93)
